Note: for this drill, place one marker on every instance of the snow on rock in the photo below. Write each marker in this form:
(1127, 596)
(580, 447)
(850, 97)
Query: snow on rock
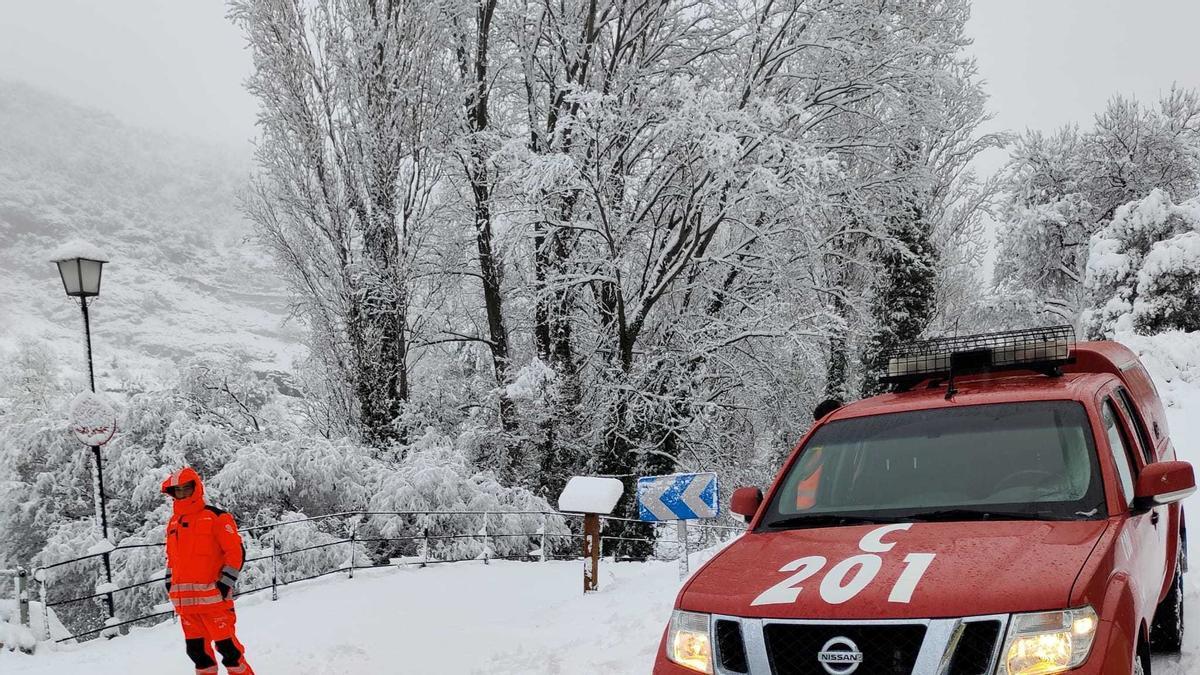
(10, 621)
(78, 248)
(15, 637)
(106, 588)
(590, 494)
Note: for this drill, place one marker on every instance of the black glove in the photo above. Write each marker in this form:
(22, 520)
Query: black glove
(167, 581)
(224, 588)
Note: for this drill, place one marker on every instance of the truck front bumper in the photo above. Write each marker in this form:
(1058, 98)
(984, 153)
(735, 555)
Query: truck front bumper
(1111, 653)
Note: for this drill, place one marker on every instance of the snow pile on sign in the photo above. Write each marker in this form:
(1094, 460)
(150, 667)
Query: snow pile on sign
(590, 494)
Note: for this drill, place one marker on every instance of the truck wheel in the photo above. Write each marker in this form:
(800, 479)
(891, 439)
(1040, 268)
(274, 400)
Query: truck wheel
(1166, 633)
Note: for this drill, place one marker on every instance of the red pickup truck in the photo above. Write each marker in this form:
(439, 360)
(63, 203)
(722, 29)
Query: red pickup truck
(1012, 509)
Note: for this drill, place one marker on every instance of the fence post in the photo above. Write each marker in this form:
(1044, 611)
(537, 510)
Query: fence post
(682, 534)
(424, 546)
(274, 570)
(353, 532)
(542, 535)
(484, 531)
(42, 583)
(21, 582)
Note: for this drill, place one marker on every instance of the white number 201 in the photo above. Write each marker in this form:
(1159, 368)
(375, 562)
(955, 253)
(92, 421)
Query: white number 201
(849, 577)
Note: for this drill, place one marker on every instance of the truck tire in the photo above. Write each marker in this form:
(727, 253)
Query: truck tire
(1166, 633)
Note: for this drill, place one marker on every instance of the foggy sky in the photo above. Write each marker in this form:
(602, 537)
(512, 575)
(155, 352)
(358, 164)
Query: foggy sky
(178, 65)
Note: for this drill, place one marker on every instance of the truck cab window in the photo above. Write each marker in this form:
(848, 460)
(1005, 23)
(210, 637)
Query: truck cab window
(1120, 449)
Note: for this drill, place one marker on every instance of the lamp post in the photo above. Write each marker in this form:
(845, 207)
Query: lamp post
(80, 267)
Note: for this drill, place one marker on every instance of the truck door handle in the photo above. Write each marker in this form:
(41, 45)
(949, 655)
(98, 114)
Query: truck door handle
(1154, 518)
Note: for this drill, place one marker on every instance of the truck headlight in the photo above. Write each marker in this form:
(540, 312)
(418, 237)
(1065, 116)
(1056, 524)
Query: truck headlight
(688, 641)
(1048, 642)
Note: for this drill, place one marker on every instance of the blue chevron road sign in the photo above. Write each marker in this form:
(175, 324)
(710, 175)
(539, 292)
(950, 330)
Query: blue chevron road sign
(681, 496)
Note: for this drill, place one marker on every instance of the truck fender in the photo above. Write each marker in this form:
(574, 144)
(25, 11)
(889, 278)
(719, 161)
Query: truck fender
(1120, 627)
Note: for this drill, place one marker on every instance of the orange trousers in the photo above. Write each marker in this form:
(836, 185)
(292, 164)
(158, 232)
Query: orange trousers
(202, 631)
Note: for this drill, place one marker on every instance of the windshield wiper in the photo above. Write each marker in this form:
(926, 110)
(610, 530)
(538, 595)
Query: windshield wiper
(946, 515)
(832, 520)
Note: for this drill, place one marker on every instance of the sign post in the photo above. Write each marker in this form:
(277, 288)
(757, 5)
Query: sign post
(94, 422)
(592, 496)
(680, 497)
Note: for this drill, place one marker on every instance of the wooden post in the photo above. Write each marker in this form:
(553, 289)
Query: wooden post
(591, 552)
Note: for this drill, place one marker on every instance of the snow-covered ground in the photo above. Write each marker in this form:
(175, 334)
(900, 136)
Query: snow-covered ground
(506, 617)
(514, 618)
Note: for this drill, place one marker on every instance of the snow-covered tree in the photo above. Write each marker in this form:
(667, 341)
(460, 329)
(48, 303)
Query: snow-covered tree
(352, 99)
(1064, 187)
(1143, 270)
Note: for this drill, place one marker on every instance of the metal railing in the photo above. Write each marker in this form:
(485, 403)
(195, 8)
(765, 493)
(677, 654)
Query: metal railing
(426, 539)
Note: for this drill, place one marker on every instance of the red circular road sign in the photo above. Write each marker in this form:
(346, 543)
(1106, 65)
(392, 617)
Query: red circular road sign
(93, 419)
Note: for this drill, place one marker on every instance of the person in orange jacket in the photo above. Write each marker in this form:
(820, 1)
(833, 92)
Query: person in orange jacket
(204, 557)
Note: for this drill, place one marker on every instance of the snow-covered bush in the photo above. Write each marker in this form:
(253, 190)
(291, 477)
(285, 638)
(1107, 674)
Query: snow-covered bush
(1168, 286)
(435, 476)
(316, 550)
(1142, 271)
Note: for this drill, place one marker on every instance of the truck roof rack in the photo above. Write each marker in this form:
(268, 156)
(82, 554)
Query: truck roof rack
(1043, 350)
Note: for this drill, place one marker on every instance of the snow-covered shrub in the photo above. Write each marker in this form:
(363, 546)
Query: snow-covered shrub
(435, 476)
(1141, 271)
(137, 564)
(308, 539)
(1168, 286)
(68, 539)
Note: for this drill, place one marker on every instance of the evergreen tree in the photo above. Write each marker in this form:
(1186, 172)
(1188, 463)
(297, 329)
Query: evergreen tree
(905, 294)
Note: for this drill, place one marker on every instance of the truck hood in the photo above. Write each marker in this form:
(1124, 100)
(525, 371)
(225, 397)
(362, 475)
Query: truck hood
(976, 568)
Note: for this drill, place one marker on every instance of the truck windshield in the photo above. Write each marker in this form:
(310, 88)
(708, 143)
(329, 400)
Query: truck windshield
(986, 462)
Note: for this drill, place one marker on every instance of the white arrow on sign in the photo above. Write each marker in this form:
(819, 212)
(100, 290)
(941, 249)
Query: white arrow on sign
(678, 496)
(691, 498)
(652, 498)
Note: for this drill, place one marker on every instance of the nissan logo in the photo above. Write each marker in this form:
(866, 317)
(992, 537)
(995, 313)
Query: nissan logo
(840, 656)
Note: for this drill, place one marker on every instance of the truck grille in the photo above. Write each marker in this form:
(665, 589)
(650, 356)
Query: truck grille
(973, 655)
(731, 649)
(886, 649)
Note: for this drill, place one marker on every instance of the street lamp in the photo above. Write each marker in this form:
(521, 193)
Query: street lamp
(80, 267)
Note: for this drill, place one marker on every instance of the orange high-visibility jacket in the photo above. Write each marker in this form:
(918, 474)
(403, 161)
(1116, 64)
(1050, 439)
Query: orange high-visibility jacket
(203, 547)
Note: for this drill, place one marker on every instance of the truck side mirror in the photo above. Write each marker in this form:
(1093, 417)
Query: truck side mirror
(1162, 483)
(745, 502)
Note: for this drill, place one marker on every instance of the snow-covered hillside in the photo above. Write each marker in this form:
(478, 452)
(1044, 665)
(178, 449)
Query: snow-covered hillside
(517, 618)
(183, 280)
